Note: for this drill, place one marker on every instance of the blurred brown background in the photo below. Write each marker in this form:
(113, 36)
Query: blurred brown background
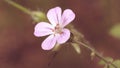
(19, 48)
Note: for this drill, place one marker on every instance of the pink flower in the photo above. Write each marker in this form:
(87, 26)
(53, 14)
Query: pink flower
(55, 29)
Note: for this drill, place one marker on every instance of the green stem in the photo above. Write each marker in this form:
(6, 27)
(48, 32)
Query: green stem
(79, 39)
(19, 7)
(96, 53)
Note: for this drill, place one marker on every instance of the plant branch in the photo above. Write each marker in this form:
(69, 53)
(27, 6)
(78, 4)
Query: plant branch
(96, 53)
(79, 39)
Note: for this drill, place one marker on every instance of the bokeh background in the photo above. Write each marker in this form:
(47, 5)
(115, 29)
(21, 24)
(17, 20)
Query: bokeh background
(19, 48)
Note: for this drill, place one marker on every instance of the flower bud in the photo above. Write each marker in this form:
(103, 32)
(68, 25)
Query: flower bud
(76, 47)
(38, 16)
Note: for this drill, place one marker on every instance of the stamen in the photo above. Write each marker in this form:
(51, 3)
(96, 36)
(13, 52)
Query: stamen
(58, 29)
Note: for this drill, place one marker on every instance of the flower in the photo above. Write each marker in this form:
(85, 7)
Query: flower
(55, 29)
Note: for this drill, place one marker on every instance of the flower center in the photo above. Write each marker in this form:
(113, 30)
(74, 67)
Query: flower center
(58, 29)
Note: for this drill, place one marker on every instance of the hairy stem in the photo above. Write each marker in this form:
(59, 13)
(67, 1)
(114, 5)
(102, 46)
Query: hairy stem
(79, 39)
(96, 53)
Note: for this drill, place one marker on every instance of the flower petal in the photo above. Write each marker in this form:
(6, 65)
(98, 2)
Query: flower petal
(43, 29)
(49, 42)
(64, 36)
(54, 15)
(67, 17)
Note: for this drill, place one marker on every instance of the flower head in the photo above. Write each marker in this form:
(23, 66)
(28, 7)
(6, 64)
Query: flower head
(55, 29)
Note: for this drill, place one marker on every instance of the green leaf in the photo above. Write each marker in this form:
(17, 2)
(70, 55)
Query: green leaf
(101, 62)
(115, 31)
(76, 47)
(107, 65)
(117, 63)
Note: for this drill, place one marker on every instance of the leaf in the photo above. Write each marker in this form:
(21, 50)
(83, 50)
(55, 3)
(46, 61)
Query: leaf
(117, 63)
(115, 31)
(101, 62)
(76, 47)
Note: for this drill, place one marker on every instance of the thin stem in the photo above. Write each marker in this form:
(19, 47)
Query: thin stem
(19, 7)
(79, 39)
(96, 53)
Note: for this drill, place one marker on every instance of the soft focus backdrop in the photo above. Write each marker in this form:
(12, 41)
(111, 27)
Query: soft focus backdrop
(19, 48)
